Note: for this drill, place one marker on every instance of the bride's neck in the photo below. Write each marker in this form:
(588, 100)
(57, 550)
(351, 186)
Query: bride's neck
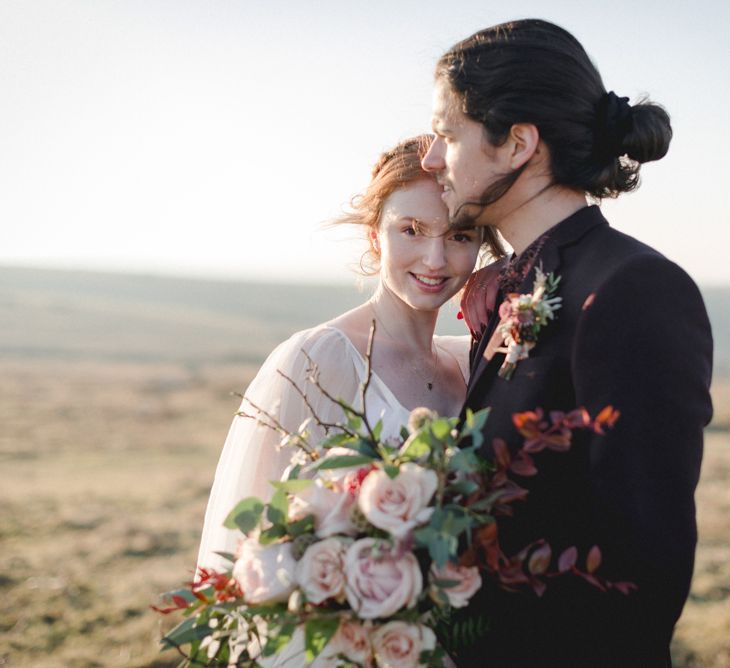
(411, 328)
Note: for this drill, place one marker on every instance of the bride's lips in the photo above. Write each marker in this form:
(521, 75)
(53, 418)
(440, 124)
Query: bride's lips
(432, 284)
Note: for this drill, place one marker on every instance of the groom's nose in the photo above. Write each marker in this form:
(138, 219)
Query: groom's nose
(433, 161)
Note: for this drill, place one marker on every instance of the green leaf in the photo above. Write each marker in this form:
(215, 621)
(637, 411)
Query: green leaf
(292, 486)
(186, 632)
(278, 508)
(272, 534)
(343, 461)
(317, 633)
(340, 438)
(391, 470)
(476, 421)
(246, 515)
(441, 428)
(302, 526)
(464, 460)
(417, 446)
(279, 638)
(362, 446)
(465, 487)
(377, 430)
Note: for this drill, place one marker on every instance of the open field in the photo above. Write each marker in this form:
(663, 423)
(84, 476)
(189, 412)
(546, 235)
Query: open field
(112, 422)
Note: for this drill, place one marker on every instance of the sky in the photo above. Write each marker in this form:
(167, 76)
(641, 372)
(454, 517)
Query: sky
(218, 137)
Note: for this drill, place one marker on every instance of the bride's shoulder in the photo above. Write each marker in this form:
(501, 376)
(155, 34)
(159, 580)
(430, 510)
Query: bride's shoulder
(322, 344)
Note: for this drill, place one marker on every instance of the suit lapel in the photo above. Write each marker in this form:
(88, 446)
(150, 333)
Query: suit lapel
(567, 232)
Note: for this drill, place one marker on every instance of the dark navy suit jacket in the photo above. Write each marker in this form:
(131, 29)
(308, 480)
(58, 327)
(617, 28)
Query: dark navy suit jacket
(633, 333)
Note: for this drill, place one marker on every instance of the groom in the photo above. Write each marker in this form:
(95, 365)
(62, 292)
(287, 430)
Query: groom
(524, 132)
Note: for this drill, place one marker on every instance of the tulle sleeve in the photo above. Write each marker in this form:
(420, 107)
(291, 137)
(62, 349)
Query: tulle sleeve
(252, 456)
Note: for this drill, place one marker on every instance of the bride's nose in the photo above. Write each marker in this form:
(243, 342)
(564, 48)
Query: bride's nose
(434, 253)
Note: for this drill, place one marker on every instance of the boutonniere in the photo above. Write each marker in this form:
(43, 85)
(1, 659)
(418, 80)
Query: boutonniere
(523, 316)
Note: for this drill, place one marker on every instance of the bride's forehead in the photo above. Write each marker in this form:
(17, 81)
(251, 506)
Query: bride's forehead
(420, 201)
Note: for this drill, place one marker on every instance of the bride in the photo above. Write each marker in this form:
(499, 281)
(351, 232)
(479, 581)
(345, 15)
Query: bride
(420, 264)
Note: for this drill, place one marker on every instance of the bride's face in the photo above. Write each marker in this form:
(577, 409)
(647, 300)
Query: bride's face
(421, 261)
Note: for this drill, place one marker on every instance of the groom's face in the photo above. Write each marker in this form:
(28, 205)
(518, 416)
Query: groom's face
(461, 157)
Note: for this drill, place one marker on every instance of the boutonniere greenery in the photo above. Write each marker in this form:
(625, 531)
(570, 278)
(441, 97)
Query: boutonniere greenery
(522, 316)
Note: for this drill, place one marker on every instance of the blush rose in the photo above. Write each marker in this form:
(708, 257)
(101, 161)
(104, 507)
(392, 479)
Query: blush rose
(264, 572)
(399, 644)
(399, 504)
(380, 578)
(321, 570)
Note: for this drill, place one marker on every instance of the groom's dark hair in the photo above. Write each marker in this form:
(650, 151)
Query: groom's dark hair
(532, 71)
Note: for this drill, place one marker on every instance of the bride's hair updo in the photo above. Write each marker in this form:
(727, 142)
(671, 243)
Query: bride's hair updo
(532, 71)
(397, 168)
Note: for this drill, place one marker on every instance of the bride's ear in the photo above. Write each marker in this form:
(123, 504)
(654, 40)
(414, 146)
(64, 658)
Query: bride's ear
(374, 241)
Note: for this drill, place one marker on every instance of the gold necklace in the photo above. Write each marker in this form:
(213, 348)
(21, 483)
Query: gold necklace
(428, 380)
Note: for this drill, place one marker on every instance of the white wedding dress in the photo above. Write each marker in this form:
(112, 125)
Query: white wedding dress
(252, 457)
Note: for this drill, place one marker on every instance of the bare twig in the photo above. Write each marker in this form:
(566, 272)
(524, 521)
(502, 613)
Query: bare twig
(368, 377)
(326, 425)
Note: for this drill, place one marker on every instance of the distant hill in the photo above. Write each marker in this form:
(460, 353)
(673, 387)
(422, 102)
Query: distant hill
(88, 315)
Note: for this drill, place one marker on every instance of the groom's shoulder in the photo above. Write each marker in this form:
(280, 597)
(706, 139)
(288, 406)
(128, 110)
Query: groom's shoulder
(610, 255)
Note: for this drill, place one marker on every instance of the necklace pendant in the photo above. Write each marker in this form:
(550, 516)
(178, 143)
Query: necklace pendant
(429, 386)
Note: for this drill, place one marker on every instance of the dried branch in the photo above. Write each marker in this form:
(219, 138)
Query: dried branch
(326, 425)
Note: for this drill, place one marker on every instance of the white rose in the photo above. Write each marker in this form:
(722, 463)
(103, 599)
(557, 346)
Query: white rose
(264, 572)
(467, 578)
(380, 579)
(399, 504)
(321, 571)
(399, 644)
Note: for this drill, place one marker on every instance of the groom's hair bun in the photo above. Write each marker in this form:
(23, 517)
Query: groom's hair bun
(533, 71)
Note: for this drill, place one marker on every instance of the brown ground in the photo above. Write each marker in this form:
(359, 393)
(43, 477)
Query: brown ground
(104, 474)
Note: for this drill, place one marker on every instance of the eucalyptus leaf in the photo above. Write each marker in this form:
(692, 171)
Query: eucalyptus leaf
(317, 633)
(246, 515)
(292, 486)
(278, 508)
(343, 461)
(391, 470)
(279, 638)
(186, 632)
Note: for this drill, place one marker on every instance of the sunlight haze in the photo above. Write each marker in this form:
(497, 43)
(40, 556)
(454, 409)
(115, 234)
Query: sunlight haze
(216, 138)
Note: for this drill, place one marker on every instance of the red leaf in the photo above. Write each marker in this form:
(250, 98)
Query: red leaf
(523, 465)
(501, 453)
(567, 559)
(540, 560)
(624, 587)
(593, 561)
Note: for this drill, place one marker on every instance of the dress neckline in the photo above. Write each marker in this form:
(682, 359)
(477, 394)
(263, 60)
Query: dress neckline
(389, 395)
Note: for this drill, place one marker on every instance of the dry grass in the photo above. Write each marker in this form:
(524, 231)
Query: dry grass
(105, 473)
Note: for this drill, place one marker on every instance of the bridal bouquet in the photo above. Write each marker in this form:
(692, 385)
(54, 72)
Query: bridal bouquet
(368, 545)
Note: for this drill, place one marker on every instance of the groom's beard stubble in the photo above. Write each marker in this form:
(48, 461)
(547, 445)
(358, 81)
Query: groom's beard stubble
(468, 213)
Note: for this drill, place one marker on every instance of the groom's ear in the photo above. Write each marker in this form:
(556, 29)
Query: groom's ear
(524, 141)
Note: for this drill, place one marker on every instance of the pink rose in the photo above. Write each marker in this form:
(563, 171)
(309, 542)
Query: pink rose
(399, 644)
(329, 498)
(351, 640)
(380, 579)
(331, 509)
(467, 579)
(264, 572)
(321, 571)
(399, 504)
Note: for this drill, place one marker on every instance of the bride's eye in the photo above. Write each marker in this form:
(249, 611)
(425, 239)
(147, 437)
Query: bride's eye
(410, 231)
